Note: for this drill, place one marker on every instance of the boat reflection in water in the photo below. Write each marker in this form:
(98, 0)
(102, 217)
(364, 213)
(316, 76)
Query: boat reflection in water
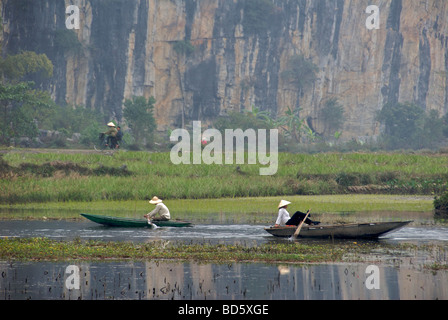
(185, 281)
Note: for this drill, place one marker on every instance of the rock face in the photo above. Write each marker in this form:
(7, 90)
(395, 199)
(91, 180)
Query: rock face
(239, 53)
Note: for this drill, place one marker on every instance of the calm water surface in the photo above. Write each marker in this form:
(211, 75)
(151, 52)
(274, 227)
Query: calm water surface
(210, 233)
(190, 281)
(404, 278)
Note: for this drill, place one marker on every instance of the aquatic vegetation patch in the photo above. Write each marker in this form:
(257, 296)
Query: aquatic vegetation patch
(43, 249)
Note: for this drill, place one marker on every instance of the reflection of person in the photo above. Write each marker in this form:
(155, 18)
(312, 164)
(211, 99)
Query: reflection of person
(284, 219)
(161, 209)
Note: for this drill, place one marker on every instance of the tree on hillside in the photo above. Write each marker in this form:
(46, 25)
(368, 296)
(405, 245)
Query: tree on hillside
(408, 126)
(300, 72)
(258, 16)
(445, 125)
(26, 64)
(403, 123)
(332, 115)
(20, 103)
(139, 116)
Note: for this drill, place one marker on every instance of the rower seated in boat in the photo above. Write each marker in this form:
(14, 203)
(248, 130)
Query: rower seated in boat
(284, 218)
(161, 209)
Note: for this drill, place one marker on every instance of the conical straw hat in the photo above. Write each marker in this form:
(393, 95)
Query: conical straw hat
(283, 203)
(155, 200)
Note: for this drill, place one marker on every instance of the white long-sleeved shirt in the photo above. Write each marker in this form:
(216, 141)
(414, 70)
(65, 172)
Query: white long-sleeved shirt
(283, 217)
(162, 210)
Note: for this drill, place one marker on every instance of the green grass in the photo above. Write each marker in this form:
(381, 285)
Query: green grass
(325, 203)
(154, 174)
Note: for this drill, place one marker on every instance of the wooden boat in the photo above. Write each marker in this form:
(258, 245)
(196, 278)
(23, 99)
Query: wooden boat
(133, 223)
(340, 231)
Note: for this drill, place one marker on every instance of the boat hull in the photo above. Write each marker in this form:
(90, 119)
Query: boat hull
(133, 223)
(343, 231)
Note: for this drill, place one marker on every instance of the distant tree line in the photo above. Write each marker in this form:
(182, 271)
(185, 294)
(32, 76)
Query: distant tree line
(406, 127)
(409, 126)
(24, 109)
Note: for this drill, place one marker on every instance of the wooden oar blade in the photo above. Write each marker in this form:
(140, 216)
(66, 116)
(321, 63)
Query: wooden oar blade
(296, 234)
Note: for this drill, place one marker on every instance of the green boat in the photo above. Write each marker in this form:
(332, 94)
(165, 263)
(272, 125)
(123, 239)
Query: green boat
(133, 223)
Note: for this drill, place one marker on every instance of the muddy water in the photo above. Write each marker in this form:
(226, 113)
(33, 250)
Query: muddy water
(190, 281)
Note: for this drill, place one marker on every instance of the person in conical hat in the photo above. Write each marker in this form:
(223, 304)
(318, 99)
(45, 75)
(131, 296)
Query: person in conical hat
(155, 200)
(284, 219)
(161, 209)
(111, 134)
(283, 214)
(283, 204)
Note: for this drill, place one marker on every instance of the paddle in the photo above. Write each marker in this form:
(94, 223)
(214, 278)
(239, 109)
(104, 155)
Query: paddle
(150, 222)
(296, 234)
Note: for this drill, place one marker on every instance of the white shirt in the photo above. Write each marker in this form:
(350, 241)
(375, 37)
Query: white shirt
(283, 217)
(162, 210)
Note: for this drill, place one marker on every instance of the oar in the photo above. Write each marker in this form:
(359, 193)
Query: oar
(296, 234)
(153, 226)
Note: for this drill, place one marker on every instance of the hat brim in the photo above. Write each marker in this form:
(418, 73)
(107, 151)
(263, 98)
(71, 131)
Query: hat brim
(155, 202)
(283, 204)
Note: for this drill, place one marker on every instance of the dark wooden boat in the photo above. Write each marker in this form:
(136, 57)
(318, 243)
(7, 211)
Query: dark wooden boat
(340, 231)
(133, 223)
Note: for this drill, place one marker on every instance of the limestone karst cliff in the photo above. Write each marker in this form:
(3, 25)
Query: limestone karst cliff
(202, 58)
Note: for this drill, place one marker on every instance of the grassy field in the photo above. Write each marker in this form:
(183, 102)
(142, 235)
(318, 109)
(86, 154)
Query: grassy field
(124, 181)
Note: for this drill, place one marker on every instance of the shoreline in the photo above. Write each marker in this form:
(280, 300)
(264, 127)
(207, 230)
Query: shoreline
(252, 209)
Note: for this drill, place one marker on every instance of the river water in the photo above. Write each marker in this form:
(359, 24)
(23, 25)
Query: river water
(191, 281)
(406, 279)
(200, 233)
